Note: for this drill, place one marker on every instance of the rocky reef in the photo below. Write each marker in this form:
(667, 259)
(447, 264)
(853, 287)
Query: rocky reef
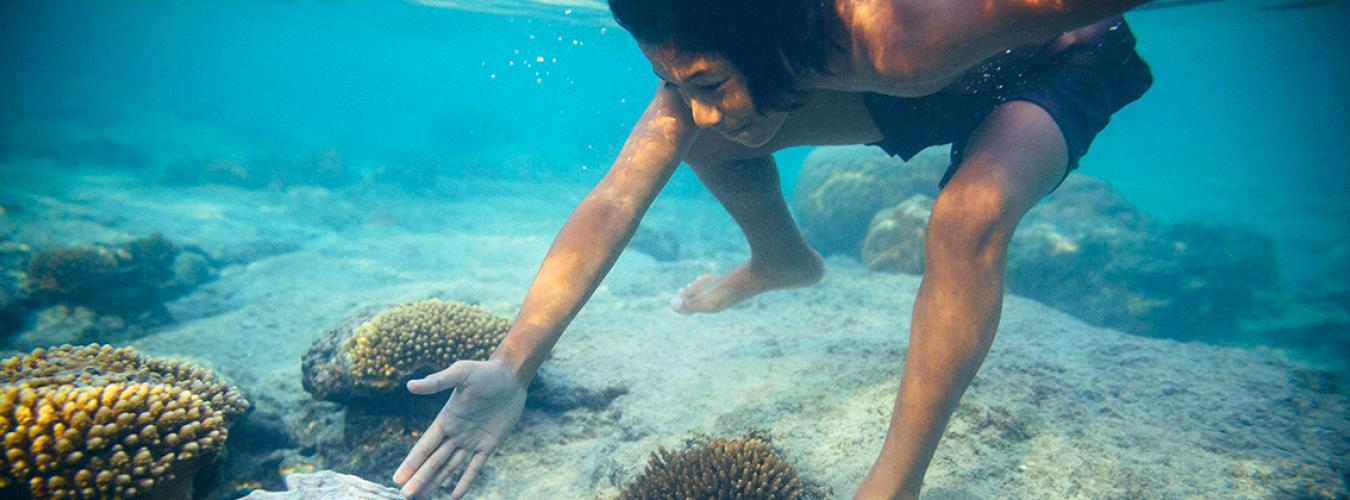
(94, 421)
(745, 467)
(1086, 251)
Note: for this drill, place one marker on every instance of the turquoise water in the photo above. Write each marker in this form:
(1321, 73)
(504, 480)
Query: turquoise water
(1247, 120)
(1247, 124)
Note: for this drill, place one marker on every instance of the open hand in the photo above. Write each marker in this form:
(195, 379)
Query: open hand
(485, 403)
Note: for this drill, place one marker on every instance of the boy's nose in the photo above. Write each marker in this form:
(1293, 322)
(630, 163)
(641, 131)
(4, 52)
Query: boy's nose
(704, 115)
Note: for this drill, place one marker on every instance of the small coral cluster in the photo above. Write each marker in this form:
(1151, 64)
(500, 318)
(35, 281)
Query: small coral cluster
(420, 337)
(745, 468)
(94, 421)
(365, 357)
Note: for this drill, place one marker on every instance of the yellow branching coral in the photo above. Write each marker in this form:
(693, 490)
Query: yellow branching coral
(94, 421)
(743, 468)
(420, 337)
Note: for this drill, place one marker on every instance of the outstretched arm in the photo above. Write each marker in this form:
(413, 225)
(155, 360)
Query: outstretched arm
(598, 230)
(489, 395)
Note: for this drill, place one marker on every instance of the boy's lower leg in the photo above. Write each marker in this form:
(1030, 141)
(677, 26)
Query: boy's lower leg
(779, 256)
(956, 314)
(1016, 157)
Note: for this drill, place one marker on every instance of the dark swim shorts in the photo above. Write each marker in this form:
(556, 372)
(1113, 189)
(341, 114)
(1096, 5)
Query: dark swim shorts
(1080, 85)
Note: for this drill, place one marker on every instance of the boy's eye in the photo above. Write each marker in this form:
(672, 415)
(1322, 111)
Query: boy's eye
(713, 86)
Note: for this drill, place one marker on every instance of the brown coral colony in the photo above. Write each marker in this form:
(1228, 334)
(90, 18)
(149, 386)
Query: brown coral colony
(724, 468)
(94, 421)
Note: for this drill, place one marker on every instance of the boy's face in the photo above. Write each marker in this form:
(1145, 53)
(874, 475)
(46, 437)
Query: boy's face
(716, 92)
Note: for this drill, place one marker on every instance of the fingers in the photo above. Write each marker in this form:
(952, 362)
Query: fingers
(469, 474)
(419, 453)
(443, 479)
(422, 481)
(445, 379)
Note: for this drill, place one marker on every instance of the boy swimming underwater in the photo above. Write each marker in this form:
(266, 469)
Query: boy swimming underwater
(1019, 88)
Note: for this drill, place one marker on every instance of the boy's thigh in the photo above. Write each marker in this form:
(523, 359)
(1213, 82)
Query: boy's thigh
(1014, 158)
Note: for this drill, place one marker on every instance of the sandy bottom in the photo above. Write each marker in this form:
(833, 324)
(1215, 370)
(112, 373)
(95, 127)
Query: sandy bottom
(1060, 410)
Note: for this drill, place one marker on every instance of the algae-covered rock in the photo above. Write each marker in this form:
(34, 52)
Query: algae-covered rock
(1090, 253)
(895, 237)
(102, 293)
(840, 190)
(745, 467)
(129, 279)
(94, 421)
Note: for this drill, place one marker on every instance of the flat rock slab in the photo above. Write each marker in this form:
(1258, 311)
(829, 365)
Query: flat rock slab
(327, 485)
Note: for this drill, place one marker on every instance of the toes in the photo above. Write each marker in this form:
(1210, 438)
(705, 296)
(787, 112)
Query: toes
(677, 304)
(697, 286)
(687, 299)
(684, 305)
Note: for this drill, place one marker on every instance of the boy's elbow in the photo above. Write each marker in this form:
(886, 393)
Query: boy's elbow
(610, 213)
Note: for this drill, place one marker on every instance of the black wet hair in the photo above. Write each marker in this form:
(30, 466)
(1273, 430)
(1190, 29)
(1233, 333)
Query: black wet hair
(769, 41)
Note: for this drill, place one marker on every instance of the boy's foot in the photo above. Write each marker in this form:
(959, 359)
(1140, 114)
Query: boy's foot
(711, 293)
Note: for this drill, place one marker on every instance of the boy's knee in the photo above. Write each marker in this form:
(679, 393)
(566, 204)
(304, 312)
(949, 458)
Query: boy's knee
(971, 223)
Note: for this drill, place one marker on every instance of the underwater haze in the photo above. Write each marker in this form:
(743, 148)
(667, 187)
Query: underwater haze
(245, 185)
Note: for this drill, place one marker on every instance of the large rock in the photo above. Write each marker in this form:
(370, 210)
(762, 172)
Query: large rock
(840, 189)
(895, 237)
(1088, 252)
(99, 293)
